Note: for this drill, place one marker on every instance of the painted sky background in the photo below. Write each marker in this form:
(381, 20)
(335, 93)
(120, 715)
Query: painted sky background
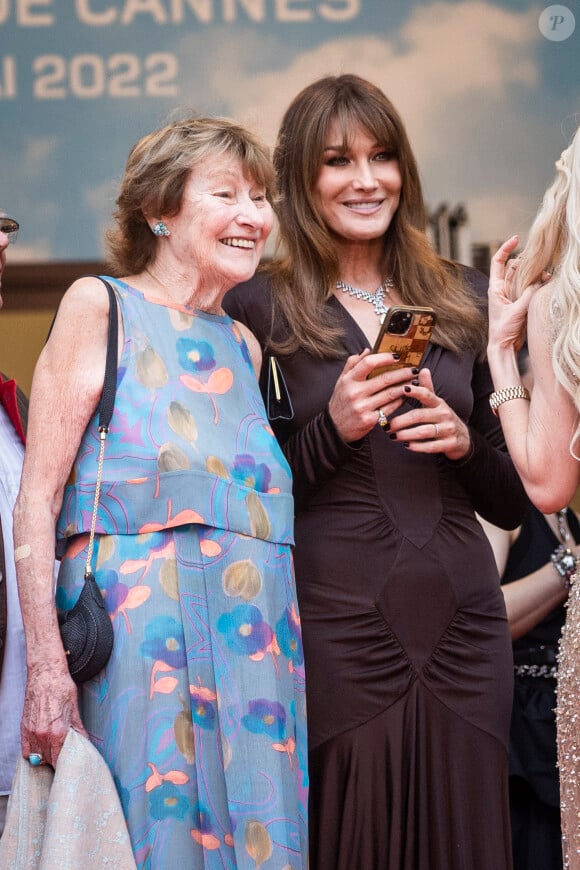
(489, 102)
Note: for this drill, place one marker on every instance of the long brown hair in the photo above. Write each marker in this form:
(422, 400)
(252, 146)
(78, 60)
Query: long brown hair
(304, 274)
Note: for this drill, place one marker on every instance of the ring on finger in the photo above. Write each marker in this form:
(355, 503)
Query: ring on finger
(436, 430)
(35, 759)
(383, 420)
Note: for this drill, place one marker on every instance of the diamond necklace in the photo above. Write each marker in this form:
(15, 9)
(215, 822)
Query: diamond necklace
(376, 298)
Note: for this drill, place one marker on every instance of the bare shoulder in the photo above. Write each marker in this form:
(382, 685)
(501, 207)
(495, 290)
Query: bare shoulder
(254, 348)
(80, 328)
(550, 400)
(540, 303)
(86, 299)
(540, 328)
(75, 351)
(67, 384)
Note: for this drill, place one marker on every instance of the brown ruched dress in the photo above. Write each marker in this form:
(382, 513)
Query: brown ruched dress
(407, 650)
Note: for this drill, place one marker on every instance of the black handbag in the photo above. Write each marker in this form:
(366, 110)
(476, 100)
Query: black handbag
(278, 401)
(86, 630)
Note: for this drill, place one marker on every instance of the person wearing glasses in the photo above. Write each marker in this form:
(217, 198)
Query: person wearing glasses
(13, 414)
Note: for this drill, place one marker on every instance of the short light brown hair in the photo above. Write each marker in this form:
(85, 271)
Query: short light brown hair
(157, 171)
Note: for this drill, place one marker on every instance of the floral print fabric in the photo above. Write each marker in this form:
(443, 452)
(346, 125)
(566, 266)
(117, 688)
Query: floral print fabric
(200, 712)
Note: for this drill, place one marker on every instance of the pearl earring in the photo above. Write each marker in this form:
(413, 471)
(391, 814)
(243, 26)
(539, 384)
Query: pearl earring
(159, 229)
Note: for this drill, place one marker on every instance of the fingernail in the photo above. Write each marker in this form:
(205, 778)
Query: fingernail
(415, 382)
(407, 388)
(405, 443)
(393, 436)
(396, 356)
(414, 371)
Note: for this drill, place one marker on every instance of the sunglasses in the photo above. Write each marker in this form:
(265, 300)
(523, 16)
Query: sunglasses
(10, 228)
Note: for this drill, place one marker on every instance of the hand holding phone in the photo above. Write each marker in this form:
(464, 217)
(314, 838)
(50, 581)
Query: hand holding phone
(406, 330)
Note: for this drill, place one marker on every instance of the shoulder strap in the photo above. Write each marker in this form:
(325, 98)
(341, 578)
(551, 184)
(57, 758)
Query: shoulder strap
(107, 402)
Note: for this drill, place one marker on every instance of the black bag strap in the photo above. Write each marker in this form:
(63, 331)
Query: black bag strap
(106, 406)
(107, 402)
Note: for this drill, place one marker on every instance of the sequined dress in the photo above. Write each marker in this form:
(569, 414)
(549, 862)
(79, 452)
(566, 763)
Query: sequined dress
(568, 728)
(534, 781)
(200, 712)
(408, 657)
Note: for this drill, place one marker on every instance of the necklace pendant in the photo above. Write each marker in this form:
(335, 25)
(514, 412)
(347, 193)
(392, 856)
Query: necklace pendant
(562, 528)
(379, 305)
(376, 299)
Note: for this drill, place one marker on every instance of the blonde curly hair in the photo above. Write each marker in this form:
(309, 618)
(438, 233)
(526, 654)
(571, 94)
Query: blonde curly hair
(553, 246)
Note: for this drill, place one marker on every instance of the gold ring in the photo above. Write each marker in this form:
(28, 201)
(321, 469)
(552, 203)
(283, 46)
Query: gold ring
(383, 420)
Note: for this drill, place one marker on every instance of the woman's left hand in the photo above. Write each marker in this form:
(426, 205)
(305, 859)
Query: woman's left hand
(432, 428)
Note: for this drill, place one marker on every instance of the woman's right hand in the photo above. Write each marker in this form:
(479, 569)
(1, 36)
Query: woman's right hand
(507, 316)
(50, 709)
(357, 399)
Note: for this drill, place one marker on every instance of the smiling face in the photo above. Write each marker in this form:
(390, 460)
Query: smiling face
(221, 228)
(358, 189)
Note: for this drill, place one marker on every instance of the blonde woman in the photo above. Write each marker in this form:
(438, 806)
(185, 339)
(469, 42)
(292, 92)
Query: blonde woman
(542, 430)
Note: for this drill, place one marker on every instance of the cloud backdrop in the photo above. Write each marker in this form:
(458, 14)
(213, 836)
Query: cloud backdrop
(488, 101)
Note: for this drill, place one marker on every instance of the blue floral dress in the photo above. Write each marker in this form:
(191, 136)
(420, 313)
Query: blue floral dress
(200, 712)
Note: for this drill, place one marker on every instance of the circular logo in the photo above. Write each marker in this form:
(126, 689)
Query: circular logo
(557, 23)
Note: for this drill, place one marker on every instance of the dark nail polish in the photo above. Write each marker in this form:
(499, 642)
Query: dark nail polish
(415, 382)
(405, 443)
(407, 388)
(414, 371)
(393, 436)
(396, 356)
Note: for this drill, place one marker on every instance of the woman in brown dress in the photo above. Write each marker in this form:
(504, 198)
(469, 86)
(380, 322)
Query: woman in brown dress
(407, 648)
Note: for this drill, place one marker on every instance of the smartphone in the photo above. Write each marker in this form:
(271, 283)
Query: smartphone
(406, 330)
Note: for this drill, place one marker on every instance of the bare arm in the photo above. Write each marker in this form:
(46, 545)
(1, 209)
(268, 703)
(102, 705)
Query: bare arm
(538, 433)
(67, 384)
(500, 540)
(531, 598)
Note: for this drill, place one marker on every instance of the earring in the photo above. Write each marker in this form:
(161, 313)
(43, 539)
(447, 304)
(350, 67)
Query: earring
(159, 229)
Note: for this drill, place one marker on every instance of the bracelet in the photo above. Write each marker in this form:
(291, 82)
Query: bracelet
(565, 563)
(506, 395)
